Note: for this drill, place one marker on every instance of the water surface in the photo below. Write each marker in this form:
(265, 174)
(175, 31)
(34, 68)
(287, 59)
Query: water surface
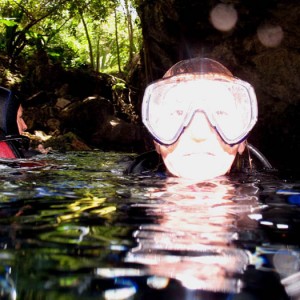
(77, 228)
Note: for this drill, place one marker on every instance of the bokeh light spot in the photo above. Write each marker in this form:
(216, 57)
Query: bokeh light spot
(270, 35)
(223, 17)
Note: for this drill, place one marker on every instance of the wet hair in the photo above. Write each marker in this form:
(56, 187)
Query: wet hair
(9, 106)
(198, 65)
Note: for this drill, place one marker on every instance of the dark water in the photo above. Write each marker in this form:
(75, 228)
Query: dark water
(77, 228)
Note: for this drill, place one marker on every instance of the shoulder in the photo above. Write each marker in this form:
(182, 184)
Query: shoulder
(7, 150)
(15, 146)
(148, 162)
(251, 160)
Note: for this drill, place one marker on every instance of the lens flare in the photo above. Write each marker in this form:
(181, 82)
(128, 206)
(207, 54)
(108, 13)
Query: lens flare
(270, 35)
(223, 17)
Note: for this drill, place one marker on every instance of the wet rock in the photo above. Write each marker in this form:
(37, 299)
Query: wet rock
(94, 107)
(84, 117)
(94, 121)
(54, 125)
(62, 103)
(118, 134)
(40, 98)
(63, 90)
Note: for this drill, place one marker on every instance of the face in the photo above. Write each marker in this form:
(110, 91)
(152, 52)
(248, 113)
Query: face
(199, 153)
(20, 121)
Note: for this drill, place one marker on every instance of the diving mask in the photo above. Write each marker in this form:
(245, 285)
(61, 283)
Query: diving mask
(229, 104)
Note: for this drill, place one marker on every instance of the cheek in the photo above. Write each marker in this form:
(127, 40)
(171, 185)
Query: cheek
(231, 150)
(219, 143)
(164, 150)
(201, 166)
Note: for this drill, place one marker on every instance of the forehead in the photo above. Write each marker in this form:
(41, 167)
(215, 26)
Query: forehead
(186, 80)
(194, 77)
(197, 65)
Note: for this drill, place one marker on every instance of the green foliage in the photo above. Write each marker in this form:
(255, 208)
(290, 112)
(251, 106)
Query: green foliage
(103, 34)
(119, 86)
(8, 23)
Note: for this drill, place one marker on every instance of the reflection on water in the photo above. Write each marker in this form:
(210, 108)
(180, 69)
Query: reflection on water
(77, 228)
(193, 238)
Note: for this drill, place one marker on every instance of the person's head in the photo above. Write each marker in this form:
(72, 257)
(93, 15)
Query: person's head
(199, 115)
(11, 113)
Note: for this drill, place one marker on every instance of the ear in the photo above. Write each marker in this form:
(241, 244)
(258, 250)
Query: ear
(241, 147)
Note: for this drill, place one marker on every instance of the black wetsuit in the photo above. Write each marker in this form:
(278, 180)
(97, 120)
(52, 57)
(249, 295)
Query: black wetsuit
(152, 163)
(12, 144)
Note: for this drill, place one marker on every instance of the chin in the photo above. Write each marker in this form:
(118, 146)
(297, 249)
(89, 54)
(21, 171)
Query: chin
(199, 176)
(199, 167)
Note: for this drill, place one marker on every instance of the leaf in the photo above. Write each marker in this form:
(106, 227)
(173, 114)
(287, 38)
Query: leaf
(53, 54)
(119, 86)
(8, 23)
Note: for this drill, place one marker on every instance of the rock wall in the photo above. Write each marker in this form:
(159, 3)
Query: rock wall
(258, 41)
(80, 109)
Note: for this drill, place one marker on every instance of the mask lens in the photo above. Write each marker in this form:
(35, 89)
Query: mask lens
(233, 116)
(167, 110)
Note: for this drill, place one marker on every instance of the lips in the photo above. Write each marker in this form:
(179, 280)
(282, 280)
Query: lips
(200, 153)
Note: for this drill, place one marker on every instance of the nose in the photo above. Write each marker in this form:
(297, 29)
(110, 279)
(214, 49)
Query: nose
(22, 126)
(199, 129)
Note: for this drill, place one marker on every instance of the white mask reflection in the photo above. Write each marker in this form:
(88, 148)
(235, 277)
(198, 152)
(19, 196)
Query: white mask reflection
(193, 239)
